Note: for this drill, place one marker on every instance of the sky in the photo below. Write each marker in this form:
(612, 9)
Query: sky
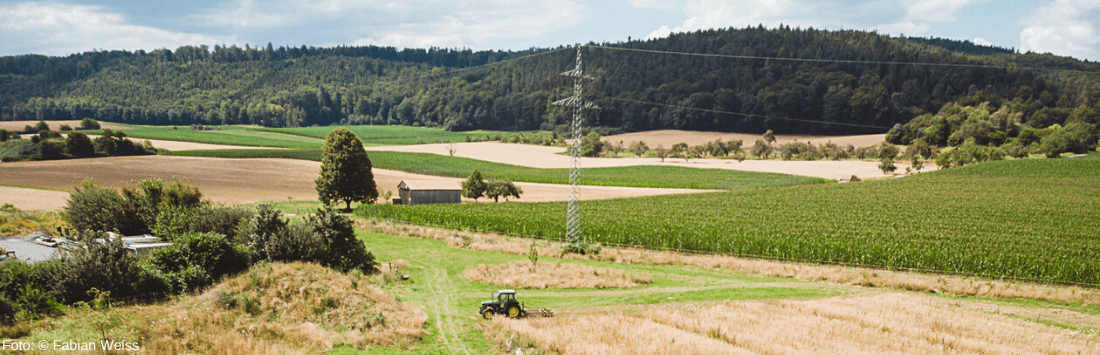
(1061, 27)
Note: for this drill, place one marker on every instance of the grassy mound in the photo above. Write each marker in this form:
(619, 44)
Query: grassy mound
(524, 274)
(271, 309)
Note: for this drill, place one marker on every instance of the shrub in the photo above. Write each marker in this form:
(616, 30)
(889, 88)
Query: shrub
(106, 266)
(92, 207)
(89, 124)
(199, 259)
(344, 251)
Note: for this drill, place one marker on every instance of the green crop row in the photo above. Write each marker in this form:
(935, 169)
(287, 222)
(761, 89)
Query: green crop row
(1029, 219)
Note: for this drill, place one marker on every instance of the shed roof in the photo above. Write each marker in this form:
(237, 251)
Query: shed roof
(429, 185)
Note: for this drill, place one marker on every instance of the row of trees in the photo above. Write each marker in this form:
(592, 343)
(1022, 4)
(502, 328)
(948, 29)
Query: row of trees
(48, 145)
(476, 187)
(851, 87)
(1002, 129)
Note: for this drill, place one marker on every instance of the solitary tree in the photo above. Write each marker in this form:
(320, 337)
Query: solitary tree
(345, 170)
(474, 186)
(502, 188)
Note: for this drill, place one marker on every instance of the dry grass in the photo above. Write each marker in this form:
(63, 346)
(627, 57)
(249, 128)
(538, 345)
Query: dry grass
(272, 309)
(909, 281)
(600, 334)
(525, 274)
(14, 221)
(14, 126)
(891, 323)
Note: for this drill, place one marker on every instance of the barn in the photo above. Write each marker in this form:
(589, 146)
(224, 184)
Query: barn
(429, 191)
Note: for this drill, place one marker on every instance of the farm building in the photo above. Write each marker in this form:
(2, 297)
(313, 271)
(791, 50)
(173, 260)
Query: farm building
(427, 192)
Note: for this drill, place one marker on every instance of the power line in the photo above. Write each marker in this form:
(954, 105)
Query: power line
(813, 60)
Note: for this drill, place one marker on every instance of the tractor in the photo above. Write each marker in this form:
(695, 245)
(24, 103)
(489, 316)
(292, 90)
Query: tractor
(504, 302)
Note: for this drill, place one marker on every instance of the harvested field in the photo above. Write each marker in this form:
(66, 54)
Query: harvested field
(553, 157)
(54, 125)
(890, 323)
(525, 274)
(237, 180)
(669, 137)
(28, 199)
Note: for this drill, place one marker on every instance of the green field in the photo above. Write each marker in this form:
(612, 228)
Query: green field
(387, 135)
(230, 135)
(299, 138)
(1028, 219)
(630, 176)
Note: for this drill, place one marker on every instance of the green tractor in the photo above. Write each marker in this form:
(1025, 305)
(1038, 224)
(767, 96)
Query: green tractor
(504, 302)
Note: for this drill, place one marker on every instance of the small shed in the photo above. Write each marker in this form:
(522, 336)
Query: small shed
(429, 191)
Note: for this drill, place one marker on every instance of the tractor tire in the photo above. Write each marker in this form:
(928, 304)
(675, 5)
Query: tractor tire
(488, 314)
(513, 312)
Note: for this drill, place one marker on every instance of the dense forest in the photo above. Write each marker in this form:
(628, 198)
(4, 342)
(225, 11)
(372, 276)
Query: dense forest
(750, 80)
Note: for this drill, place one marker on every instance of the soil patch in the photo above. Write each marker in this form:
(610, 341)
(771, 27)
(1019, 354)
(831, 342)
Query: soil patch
(12, 126)
(238, 180)
(28, 199)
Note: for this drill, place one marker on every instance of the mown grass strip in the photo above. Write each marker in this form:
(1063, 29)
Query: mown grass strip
(632, 176)
(1034, 220)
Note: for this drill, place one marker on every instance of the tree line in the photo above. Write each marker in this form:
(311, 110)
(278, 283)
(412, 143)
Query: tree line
(859, 82)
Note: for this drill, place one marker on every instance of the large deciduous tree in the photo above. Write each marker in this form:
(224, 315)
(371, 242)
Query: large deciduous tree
(345, 170)
(475, 186)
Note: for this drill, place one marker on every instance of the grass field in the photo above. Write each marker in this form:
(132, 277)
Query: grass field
(1029, 219)
(229, 135)
(298, 138)
(628, 176)
(388, 135)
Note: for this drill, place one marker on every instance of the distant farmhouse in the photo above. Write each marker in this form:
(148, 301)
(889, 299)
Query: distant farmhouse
(422, 192)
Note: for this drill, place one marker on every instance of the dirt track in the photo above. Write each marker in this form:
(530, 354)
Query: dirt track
(234, 180)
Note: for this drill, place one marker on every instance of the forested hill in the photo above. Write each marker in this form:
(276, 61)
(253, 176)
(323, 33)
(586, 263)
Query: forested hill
(839, 82)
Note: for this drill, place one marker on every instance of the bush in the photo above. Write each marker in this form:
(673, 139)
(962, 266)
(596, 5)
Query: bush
(199, 259)
(107, 267)
(96, 208)
(344, 251)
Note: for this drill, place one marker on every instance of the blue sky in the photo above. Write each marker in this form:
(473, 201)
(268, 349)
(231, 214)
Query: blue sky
(1062, 27)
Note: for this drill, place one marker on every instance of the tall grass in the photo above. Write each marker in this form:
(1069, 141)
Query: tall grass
(532, 275)
(272, 309)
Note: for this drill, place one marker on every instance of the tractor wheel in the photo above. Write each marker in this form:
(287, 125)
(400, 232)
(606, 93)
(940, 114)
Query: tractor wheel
(488, 314)
(513, 311)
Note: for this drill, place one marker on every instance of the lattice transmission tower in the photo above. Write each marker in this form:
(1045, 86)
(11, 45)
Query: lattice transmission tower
(573, 211)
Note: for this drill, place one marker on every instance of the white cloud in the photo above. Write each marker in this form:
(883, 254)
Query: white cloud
(662, 32)
(937, 10)
(982, 42)
(60, 29)
(919, 14)
(652, 4)
(1064, 27)
(706, 14)
(423, 23)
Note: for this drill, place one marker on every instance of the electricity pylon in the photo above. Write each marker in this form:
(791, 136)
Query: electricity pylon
(573, 211)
